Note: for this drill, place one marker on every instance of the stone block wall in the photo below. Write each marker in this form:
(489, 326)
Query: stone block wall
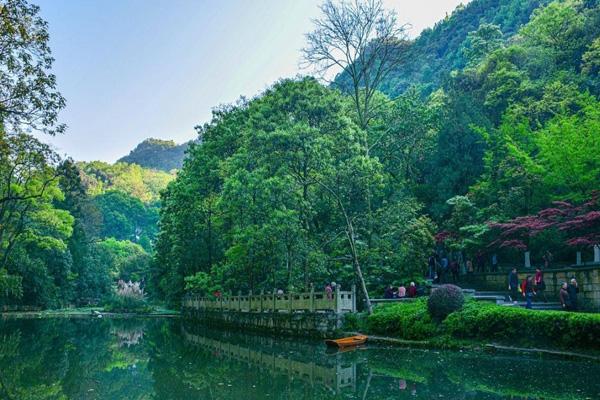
(588, 278)
(316, 324)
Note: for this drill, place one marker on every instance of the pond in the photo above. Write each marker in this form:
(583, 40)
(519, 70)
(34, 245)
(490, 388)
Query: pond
(84, 358)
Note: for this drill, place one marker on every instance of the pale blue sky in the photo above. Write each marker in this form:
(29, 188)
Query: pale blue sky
(133, 69)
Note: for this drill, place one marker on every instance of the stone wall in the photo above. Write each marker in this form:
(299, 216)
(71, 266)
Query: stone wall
(588, 278)
(317, 324)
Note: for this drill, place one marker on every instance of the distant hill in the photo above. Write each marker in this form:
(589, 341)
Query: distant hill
(164, 155)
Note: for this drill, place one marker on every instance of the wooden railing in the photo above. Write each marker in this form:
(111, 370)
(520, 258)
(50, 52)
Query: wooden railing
(338, 302)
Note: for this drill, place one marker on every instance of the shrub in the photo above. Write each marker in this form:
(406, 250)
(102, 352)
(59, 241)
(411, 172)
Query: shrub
(406, 320)
(445, 300)
(354, 322)
(518, 325)
(129, 298)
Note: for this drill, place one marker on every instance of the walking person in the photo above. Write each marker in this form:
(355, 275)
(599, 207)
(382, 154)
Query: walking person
(469, 265)
(563, 295)
(573, 290)
(528, 289)
(513, 285)
(480, 262)
(494, 262)
(540, 284)
(431, 267)
(445, 265)
(439, 273)
(454, 271)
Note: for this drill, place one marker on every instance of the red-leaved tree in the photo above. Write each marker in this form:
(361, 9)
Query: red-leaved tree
(581, 223)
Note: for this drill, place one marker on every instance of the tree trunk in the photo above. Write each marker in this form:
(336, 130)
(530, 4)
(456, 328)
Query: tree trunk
(357, 268)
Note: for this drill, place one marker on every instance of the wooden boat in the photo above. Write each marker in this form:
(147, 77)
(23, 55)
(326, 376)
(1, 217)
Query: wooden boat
(347, 342)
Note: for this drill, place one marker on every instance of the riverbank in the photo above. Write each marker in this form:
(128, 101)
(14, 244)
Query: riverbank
(475, 346)
(480, 326)
(88, 312)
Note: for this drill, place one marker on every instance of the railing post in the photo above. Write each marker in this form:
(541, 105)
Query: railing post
(239, 300)
(312, 298)
(337, 299)
(274, 300)
(291, 301)
(353, 298)
(220, 302)
(250, 301)
(262, 293)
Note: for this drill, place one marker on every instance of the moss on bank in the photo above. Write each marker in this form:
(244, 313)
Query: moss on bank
(479, 323)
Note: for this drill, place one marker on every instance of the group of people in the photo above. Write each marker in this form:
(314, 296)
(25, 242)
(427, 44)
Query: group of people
(401, 292)
(535, 286)
(444, 268)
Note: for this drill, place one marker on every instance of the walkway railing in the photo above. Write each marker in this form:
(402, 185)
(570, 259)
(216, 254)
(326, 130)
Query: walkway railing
(337, 302)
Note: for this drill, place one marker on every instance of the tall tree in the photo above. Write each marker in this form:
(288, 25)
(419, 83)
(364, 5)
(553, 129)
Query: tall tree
(360, 39)
(28, 94)
(27, 177)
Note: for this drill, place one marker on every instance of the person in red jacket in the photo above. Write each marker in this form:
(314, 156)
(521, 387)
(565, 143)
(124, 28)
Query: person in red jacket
(412, 290)
(528, 289)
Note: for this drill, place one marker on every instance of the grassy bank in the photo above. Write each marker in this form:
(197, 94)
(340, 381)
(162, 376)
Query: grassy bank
(479, 322)
(88, 312)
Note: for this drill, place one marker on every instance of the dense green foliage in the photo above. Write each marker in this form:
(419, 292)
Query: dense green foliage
(60, 244)
(66, 230)
(28, 94)
(407, 320)
(142, 183)
(294, 190)
(429, 59)
(283, 192)
(490, 115)
(444, 300)
(157, 154)
(510, 324)
(488, 322)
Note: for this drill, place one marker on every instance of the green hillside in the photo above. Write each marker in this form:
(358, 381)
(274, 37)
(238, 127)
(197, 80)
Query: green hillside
(158, 154)
(493, 115)
(429, 59)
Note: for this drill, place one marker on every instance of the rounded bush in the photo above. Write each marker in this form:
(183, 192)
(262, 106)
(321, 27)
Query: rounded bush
(445, 300)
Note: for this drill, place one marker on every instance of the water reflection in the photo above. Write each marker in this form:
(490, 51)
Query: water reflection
(166, 359)
(277, 356)
(129, 336)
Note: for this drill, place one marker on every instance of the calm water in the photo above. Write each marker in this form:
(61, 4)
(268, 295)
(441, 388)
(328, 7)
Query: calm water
(168, 359)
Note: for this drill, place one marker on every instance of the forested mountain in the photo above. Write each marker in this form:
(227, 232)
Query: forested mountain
(429, 60)
(157, 154)
(494, 116)
(490, 120)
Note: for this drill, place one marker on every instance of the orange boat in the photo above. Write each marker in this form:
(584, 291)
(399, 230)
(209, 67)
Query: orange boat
(347, 342)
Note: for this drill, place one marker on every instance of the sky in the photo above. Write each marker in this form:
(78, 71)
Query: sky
(134, 69)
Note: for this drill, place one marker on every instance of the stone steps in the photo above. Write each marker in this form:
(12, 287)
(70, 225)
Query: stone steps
(502, 298)
(535, 305)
